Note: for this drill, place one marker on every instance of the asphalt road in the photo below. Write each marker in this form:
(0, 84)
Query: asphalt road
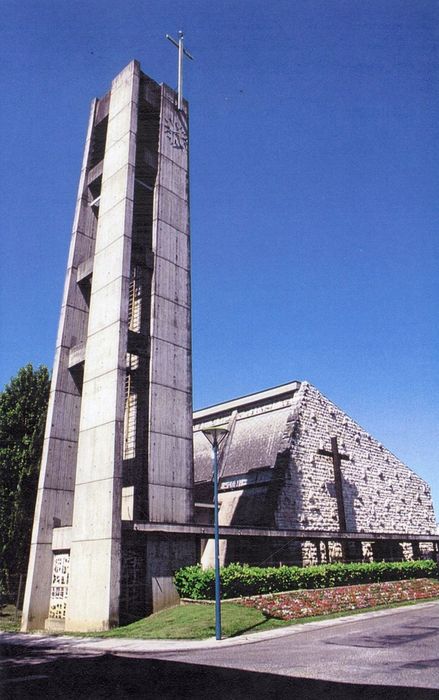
(401, 648)
(393, 657)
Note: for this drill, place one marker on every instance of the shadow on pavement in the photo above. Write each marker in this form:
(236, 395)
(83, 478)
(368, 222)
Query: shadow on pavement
(413, 634)
(51, 674)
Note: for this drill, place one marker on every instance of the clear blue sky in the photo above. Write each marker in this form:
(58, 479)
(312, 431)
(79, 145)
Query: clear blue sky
(314, 191)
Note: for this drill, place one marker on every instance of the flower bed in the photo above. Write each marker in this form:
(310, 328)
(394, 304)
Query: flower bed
(306, 603)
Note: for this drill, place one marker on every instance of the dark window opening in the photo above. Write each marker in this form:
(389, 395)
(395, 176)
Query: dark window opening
(98, 141)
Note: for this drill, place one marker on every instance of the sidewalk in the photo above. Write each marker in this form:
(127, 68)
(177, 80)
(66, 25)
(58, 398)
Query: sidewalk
(153, 646)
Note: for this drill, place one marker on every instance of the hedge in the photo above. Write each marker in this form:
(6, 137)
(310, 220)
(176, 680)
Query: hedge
(243, 580)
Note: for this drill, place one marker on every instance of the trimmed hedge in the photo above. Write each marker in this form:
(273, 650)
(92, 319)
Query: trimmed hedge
(243, 580)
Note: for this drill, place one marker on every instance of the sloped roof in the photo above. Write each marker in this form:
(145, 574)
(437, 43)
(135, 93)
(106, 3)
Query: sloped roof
(257, 425)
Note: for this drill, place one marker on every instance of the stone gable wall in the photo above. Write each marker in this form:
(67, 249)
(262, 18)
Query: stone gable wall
(381, 493)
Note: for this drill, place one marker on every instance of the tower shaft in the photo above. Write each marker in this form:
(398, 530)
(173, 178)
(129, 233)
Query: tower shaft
(118, 443)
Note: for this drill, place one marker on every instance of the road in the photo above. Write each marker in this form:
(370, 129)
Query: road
(394, 656)
(399, 648)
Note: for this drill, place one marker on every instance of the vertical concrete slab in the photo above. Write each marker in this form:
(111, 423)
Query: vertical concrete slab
(164, 555)
(93, 602)
(170, 473)
(57, 474)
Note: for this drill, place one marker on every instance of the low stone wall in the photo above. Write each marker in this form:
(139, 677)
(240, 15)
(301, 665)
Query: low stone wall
(323, 601)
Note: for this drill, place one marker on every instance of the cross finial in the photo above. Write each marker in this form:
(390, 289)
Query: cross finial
(181, 53)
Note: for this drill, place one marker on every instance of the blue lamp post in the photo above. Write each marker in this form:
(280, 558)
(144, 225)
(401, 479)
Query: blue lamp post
(216, 435)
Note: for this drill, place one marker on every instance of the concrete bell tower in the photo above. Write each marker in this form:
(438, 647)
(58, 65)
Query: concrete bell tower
(118, 442)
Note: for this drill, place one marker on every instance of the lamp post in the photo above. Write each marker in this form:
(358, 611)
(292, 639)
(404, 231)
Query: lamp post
(216, 435)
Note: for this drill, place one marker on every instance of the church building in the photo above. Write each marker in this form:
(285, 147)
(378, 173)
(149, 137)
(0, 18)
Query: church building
(121, 501)
(294, 464)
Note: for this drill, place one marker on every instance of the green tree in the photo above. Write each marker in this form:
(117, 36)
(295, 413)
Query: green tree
(23, 408)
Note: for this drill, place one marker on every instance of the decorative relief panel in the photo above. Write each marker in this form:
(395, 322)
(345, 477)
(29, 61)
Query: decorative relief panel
(176, 133)
(60, 586)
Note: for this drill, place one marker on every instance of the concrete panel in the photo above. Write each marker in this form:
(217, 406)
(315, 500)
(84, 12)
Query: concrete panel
(61, 456)
(84, 270)
(72, 327)
(62, 379)
(173, 367)
(105, 305)
(171, 96)
(150, 92)
(96, 451)
(62, 538)
(79, 210)
(122, 123)
(174, 178)
(164, 557)
(87, 220)
(122, 98)
(103, 352)
(76, 355)
(81, 248)
(111, 262)
(37, 593)
(72, 294)
(124, 88)
(171, 282)
(171, 244)
(116, 222)
(97, 506)
(95, 172)
(172, 209)
(99, 400)
(170, 460)
(122, 151)
(94, 586)
(127, 510)
(170, 322)
(52, 507)
(169, 504)
(54, 503)
(170, 411)
(164, 593)
(126, 74)
(115, 189)
(173, 134)
(62, 416)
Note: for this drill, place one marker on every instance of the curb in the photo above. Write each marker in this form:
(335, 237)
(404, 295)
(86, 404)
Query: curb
(148, 646)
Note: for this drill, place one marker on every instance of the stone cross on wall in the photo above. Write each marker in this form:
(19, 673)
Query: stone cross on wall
(336, 461)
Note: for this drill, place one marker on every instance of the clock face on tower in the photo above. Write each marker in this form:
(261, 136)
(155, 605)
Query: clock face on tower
(176, 133)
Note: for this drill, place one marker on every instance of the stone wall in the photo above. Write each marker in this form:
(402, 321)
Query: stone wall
(381, 494)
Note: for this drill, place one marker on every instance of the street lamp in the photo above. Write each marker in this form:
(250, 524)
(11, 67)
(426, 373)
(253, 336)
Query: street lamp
(216, 435)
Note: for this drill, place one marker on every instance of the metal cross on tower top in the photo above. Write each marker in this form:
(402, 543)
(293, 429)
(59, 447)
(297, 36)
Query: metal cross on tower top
(181, 53)
(336, 461)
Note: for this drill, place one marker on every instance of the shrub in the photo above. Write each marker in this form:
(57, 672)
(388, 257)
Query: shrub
(243, 580)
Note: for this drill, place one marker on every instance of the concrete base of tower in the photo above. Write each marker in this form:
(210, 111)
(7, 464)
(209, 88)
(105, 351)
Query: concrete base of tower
(165, 557)
(149, 563)
(56, 626)
(94, 583)
(37, 595)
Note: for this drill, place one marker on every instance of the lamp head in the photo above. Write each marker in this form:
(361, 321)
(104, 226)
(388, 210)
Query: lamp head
(215, 434)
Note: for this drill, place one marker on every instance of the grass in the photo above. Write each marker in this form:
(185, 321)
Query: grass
(197, 621)
(9, 622)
